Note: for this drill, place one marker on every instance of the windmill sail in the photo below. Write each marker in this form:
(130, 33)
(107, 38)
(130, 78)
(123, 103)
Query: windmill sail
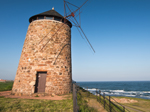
(75, 22)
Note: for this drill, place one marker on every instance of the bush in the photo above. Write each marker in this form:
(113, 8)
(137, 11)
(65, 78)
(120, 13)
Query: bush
(6, 86)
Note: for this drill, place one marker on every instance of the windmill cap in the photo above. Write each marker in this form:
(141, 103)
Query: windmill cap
(50, 13)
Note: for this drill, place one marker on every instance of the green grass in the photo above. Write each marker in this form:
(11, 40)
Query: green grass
(6, 86)
(28, 105)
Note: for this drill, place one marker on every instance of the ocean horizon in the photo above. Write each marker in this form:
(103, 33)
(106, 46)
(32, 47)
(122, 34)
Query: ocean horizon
(136, 89)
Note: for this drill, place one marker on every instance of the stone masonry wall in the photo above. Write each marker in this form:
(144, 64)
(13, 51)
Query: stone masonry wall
(54, 58)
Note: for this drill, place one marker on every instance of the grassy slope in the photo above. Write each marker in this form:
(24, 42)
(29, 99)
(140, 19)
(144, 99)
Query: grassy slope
(6, 86)
(87, 102)
(141, 105)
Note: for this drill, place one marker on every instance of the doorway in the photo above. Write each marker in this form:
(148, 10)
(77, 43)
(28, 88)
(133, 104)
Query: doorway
(40, 82)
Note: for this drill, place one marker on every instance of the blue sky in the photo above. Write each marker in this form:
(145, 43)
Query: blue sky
(119, 31)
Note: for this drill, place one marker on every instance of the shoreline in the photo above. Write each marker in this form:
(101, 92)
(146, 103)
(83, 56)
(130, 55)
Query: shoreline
(120, 94)
(119, 89)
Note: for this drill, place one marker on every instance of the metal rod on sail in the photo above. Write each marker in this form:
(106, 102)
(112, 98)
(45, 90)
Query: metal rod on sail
(80, 6)
(64, 9)
(84, 35)
(87, 39)
(72, 4)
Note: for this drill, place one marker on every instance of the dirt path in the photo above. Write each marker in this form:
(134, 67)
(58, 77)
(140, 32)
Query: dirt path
(7, 94)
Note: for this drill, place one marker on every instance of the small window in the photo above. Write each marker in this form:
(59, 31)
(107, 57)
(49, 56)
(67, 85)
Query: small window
(58, 19)
(49, 17)
(40, 17)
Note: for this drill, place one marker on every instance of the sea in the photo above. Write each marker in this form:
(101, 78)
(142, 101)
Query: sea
(137, 89)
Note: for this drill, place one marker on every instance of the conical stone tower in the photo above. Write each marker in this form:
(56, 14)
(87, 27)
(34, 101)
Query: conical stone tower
(45, 62)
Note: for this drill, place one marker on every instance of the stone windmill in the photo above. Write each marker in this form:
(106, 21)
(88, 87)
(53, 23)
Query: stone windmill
(45, 62)
(48, 69)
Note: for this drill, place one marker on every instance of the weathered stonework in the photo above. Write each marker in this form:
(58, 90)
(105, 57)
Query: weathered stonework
(54, 58)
